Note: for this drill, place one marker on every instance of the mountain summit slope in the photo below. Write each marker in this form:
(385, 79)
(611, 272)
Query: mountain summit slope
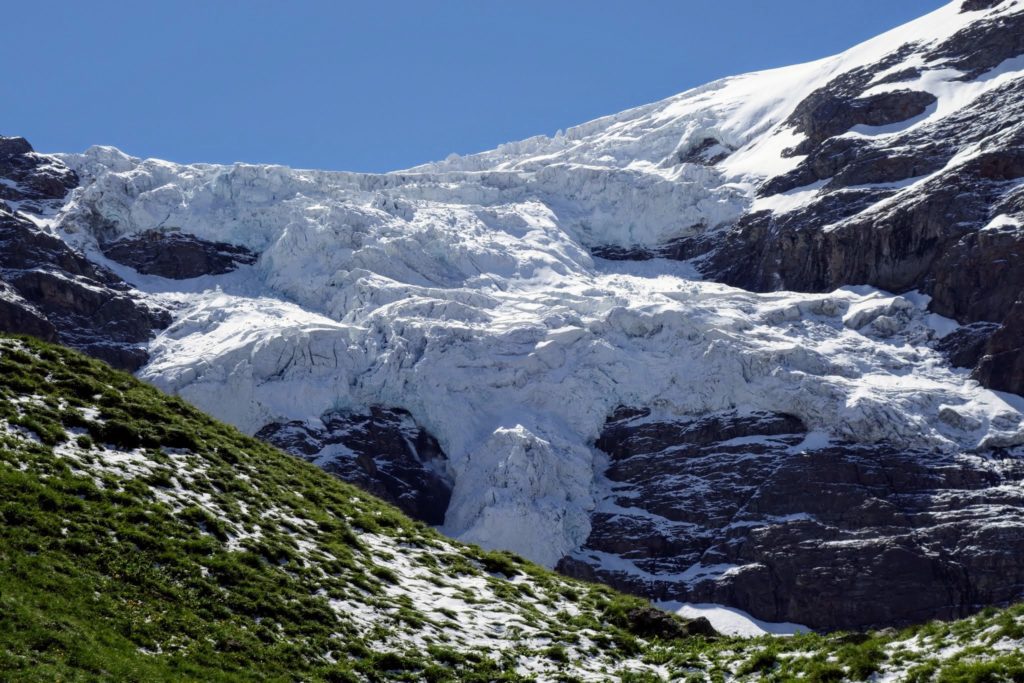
(595, 338)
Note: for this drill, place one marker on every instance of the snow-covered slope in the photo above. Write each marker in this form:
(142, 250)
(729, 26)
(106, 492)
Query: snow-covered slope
(466, 292)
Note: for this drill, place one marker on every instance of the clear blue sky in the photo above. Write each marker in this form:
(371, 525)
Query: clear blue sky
(376, 86)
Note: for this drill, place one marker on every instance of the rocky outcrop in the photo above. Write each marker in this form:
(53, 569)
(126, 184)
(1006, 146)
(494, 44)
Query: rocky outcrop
(751, 511)
(931, 241)
(980, 276)
(48, 290)
(383, 451)
(965, 345)
(978, 5)
(828, 112)
(982, 45)
(18, 316)
(707, 152)
(29, 180)
(58, 295)
(1001, 365)
(177, 255)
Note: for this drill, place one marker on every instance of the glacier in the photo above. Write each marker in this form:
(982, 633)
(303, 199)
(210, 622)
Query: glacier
(467, 293)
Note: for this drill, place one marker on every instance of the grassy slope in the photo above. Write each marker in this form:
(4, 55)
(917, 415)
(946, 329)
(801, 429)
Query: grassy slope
(142, 540)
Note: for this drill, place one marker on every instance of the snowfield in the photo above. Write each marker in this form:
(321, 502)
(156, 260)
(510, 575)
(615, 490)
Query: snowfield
(465, 292)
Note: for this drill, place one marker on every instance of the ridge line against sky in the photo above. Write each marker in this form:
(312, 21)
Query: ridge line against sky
(388, 85)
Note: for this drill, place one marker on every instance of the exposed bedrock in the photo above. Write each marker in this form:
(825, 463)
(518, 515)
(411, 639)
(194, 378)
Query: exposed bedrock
(1001, 365)
(30, 179)
(930, 242)
(958, 239)
(965, 345)
(982, 45)
(19, 316)
(978, 5)
(47, 289)
(751, 511)
(383, 451)
(55, 294)
(827, 113)
(177, 255)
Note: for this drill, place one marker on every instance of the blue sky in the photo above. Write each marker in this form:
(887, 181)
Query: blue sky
(377, 86)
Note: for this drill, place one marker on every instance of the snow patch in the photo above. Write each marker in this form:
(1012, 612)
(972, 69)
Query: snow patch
(731, 621)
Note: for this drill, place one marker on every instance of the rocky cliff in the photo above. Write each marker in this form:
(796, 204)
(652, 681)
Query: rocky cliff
(49, 290)
(753, 511)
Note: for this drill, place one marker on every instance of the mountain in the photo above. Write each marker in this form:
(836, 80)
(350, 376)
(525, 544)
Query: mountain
(142, 540)
(757, 344)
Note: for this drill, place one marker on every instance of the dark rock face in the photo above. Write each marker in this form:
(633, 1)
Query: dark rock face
(826, 113)
(615, 253)
(176, 255)
(982, 45)
(965, 346)
(930, 242)
(1001, 366)
(707, 152)
(976, 5)
(979, 276)
(384, 452)
(33, 180)
(12, 147)
(48, 290)
(741, 510)
(18, 316)
(61, 296)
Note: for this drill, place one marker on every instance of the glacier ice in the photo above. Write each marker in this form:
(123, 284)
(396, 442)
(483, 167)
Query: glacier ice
(465, 293)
